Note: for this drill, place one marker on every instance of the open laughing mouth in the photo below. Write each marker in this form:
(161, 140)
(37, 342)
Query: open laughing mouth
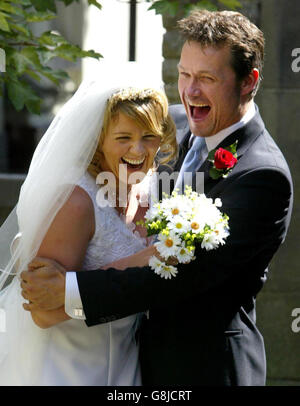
(133, 163)
(199, 111)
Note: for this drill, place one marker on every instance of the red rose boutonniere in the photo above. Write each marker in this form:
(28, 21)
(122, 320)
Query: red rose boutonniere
(223, 160)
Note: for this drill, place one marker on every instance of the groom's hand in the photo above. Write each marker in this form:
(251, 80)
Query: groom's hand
(43, 285)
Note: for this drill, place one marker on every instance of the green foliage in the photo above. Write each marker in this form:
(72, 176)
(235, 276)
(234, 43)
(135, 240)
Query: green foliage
(174, 7)
(27, 55)
(95, 3)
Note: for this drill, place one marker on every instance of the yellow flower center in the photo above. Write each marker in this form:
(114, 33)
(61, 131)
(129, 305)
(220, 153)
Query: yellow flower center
(182, 251)
(175, 211)
(169, 242)
(178, 225)
(195, 226)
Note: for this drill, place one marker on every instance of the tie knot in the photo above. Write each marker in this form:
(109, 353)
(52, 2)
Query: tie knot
(199, 143)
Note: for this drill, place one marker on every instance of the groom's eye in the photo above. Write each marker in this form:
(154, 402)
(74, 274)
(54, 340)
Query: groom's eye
(208, 78)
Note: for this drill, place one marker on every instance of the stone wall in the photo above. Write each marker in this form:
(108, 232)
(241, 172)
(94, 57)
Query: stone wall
(279, 103)
(172, 44)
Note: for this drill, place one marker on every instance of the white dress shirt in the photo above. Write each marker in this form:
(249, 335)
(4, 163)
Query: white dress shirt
(73, 303)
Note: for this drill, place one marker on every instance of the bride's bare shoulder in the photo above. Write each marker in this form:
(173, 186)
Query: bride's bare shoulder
(76, 215)
(79, 203)
(72, 228)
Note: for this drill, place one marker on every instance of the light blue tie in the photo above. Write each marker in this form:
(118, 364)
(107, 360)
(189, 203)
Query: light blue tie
(193, 159)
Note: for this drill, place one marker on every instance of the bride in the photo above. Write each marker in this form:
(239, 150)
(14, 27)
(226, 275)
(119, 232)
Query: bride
(99, 130)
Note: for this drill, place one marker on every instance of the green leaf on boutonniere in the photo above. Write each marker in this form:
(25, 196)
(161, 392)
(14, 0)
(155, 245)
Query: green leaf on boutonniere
(211, 155)
(232, 148)
(215, 173)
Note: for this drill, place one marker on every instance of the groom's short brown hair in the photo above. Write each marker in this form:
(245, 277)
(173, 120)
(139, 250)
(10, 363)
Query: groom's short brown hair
(220, 28)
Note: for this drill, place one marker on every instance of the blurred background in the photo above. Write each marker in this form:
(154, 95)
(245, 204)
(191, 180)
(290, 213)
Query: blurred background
(123, 31)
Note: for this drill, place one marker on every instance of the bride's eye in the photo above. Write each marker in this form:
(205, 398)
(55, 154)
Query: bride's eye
(124, 138)
(149, 136)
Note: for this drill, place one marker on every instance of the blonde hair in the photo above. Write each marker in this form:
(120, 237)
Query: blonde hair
(149, 109)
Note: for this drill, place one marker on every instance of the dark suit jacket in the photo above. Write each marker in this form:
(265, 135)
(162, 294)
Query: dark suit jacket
(202, 325)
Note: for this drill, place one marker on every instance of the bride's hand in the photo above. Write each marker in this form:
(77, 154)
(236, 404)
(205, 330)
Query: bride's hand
(139, 259)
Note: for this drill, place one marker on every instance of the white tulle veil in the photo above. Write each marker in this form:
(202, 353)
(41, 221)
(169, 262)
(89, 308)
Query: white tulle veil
(59, 161)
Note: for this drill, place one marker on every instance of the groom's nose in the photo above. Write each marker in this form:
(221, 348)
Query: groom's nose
(194, 88)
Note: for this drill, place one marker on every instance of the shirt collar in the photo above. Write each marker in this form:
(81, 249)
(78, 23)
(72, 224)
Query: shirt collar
(214, 140)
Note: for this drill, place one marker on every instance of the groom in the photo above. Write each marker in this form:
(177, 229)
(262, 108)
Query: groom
(201, 326)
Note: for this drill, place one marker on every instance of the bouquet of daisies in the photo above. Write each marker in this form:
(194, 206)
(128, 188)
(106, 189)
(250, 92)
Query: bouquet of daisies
(182, 221)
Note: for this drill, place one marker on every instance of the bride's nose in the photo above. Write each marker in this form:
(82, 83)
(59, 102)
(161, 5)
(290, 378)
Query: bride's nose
(137, 148)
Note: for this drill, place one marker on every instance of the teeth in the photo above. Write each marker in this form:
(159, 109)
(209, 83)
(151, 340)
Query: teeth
(199, 105)
(134, 161)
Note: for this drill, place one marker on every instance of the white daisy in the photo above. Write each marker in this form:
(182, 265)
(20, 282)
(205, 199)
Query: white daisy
(208, 214)
(218, 202)
(210, 241)
(175, 206)
(179, 225)
(167, 244)
(162, 269)
(152, 213)
(222, 231)
(184, 256)
(197, 224)
(166, 271)
(155, 263)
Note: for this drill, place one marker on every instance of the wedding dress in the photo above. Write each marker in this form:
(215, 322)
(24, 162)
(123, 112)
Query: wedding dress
(74, 354)
(106, 354)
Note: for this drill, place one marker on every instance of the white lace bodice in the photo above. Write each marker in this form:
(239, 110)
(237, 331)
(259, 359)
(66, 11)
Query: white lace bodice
(113, 239)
